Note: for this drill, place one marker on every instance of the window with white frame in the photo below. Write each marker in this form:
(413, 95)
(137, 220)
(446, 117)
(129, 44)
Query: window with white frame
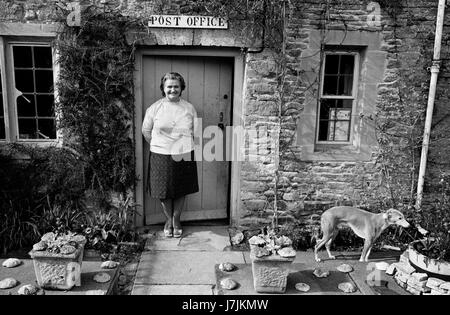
(27, 90)
(337, 97)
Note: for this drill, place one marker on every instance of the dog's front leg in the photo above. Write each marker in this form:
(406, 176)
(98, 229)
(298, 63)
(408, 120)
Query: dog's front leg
(366, 250)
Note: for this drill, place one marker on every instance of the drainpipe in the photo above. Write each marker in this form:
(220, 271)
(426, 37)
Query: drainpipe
(431, 97)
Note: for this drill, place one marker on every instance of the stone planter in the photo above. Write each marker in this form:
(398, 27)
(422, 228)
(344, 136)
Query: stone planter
(270, 273)
(57, 271)
(433, 267)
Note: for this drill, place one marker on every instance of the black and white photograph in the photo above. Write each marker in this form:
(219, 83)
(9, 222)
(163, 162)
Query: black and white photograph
(225, 152)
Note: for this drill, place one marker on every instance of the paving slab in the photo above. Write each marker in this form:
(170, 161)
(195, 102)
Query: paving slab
(182, 267)
(173, 290)
(298, 273)
(25, 275)
(370, 280)
(194, 238)
(189, 265)
(364, 275)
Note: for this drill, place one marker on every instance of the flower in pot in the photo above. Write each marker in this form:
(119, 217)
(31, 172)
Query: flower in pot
(268, 244)
(57, 260)
(431, 252)
(271, 254)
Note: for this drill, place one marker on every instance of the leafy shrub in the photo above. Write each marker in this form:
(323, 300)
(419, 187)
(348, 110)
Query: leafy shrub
(104, 228)
(36, 182)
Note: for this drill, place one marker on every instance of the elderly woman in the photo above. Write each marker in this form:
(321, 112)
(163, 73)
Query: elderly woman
(168, 127)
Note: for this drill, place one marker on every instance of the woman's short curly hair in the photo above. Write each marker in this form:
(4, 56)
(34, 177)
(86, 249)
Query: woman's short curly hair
(172, 76)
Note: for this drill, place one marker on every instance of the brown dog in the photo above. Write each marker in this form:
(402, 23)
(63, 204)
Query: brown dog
(365, 224)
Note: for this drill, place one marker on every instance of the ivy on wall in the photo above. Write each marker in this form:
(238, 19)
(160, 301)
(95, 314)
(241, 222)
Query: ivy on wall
(96, 98)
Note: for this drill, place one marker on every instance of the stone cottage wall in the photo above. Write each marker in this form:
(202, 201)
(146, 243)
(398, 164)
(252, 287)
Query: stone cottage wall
(388, 177)
(385, 176)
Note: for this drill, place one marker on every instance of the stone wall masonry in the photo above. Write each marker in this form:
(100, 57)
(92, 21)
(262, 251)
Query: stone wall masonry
(384, 178)
(401, 101)
(416, 282)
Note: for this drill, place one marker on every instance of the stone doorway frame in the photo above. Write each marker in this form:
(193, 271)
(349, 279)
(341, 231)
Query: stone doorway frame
(237, 119)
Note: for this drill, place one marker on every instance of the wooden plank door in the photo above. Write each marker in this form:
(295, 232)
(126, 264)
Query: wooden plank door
(209, 89)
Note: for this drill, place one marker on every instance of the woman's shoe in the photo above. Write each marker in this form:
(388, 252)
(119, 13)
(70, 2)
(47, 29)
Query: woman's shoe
(168, 233)
(177, 232)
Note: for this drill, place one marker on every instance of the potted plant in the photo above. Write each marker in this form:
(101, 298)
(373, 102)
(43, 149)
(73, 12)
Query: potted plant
(57, 260)
(431, 252)
(271, 256)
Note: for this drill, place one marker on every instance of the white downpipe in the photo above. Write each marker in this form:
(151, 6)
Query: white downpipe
(431, 97)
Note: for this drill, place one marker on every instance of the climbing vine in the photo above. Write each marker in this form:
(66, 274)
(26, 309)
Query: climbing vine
(96, 98)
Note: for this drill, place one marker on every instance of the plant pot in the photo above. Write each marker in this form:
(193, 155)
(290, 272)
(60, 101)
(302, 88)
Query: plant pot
(433, 267)
(57, 271)
(270, 273)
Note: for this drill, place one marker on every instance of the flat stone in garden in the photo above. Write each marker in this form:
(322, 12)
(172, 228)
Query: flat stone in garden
(347, 287)
(321, 274)
(27, 289)
(109, 264)
(345, 268)
(302, 287)
(12, 263)
(237, 238)
(228, 284)
(227, 267)
(102, 277)
(8, 283)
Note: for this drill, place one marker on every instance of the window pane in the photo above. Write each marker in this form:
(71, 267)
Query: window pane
(44, 81)
(331, 64)
(26, 106)
(347, 64)
(338, 78)
(341, 131)
(22, 57)
(345, 85)
(45, 105)
(43, 57)
(335, 118)
(47, 129)
(325, 107)
(330, 85)
(344, 104)
(35, 107)
(24, 80)
(27, 128)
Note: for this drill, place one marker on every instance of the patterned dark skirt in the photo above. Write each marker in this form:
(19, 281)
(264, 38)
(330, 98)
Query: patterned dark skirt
(171, 177)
